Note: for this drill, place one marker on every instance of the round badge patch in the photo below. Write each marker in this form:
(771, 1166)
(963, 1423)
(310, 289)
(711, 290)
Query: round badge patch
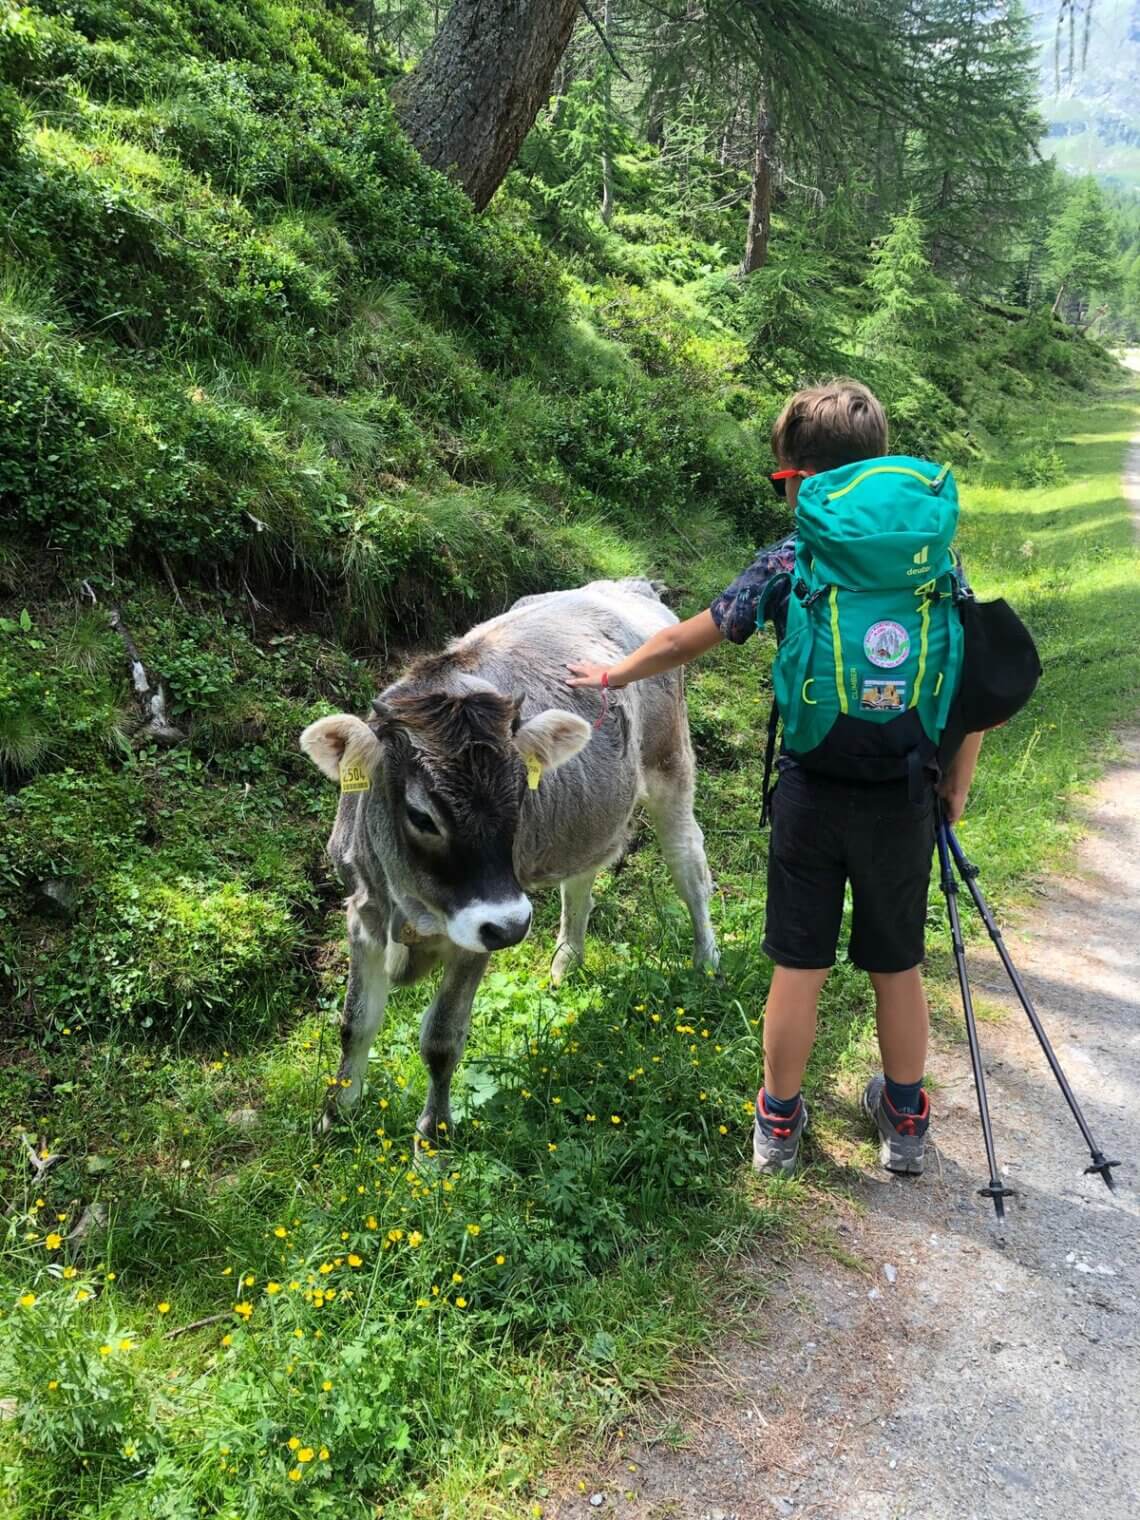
(886, 644)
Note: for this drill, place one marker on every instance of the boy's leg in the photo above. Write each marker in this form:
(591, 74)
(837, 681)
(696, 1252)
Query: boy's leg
(890, 879)
(806, 877)
(789, 1028)
(903, 1023)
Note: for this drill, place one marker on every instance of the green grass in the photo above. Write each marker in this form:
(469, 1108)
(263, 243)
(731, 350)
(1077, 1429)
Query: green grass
(189, 1162)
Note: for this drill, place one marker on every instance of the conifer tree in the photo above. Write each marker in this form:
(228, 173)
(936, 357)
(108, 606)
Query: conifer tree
(1082, 248)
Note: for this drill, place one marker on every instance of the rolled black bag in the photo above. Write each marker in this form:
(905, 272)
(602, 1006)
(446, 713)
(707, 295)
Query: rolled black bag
(1000, 672)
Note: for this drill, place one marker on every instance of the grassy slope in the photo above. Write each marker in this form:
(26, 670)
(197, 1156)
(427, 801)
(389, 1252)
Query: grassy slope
(608, 1231)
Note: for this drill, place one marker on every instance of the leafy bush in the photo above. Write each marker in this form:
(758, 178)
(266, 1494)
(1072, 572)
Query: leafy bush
(1042, 465)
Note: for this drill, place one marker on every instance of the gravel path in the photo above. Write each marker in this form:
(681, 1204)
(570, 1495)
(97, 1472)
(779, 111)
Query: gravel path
(924, 1365)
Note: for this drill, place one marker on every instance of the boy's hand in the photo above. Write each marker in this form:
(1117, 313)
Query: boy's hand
(953, 800)
(582, 674)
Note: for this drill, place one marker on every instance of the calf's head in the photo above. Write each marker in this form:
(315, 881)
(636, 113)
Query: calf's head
(446, 777)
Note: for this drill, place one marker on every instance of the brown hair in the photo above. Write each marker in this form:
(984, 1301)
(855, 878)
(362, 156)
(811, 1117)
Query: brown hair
(830, 425)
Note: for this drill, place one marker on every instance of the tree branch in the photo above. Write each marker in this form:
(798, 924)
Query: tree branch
(606, 43)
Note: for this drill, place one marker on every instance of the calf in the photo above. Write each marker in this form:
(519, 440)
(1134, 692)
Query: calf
(478, 780)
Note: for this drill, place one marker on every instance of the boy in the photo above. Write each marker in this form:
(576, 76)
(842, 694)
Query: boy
(827, 831)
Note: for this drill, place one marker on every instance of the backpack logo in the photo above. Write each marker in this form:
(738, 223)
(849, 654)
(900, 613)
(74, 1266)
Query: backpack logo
(886, 644)
(920, 560)
(883, 696)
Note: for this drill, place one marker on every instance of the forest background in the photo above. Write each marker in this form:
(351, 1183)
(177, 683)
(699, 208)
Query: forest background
(278, 405)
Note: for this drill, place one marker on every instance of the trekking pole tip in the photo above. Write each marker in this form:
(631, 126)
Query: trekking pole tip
(1104, 1168)
(997, 1192)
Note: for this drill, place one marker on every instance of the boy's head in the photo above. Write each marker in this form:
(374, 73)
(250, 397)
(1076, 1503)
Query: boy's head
(826, 426)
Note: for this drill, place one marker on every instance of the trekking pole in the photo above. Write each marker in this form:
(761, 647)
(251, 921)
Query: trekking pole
(995, 1189)
(969, 873)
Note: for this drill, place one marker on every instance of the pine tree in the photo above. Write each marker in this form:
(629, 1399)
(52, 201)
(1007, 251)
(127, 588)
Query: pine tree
(913, 309)
(1082, 248)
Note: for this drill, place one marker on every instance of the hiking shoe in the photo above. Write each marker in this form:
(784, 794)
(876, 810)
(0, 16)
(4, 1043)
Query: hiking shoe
(775, 1140)
(902, 1137)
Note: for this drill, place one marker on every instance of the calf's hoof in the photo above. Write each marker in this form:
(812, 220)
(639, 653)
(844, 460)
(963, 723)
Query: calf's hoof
(432, 1141)
(566, 958)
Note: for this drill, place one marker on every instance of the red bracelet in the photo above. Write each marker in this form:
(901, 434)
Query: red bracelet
(601, 718)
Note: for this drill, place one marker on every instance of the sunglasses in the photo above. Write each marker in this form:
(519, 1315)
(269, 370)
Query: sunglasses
(780, 478)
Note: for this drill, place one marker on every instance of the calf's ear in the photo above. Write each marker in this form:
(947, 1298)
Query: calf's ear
(552, 737)
(340, 741)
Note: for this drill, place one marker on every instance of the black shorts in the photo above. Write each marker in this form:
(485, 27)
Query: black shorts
(826, 833)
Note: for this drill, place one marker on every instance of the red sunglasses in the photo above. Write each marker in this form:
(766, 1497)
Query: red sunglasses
(780, 478)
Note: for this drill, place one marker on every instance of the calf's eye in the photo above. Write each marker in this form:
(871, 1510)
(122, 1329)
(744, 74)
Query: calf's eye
(422, 821)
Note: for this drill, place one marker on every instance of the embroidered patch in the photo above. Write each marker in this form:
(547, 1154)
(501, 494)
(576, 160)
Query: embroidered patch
(883, 696)
(533, 772)
(886, 644)
(354, 778)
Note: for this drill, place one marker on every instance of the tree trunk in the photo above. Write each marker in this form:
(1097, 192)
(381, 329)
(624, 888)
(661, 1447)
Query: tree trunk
(479, 87)
(1057, 302)
(607, 97)
(760, 205)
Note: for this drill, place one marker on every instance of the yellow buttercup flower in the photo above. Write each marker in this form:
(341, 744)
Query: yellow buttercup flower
(280, 1231)
(306, 1454)
(227, 1340)
(294, 1443)
(615, 1118)
(27, 1300)
(354, 1260)
(323, 1453)
(272, 1288)
(415, 1239)
(473, 1229)
(457, 1277)
(164, 1307)
(69, 1273)
(461, 1303)
(243, 1308)
(500, 1260)
(53, 1385)
(326, 1386)
(54, 1241)
(125, 1344)
(294, 1475)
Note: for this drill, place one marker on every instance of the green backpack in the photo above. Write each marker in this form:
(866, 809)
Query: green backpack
(871, 658)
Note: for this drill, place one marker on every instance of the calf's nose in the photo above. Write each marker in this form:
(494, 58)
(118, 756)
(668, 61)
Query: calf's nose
(498, 933)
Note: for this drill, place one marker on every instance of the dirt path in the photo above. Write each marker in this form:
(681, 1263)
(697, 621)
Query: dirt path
(949, 1373)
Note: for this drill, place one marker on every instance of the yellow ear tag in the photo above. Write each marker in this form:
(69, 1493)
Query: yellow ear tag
(533, 772)
(354, 778)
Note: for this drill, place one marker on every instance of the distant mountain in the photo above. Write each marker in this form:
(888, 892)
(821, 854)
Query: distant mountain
(1094, 112)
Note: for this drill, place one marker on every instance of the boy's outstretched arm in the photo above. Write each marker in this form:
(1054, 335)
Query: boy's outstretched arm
(673, 646)
(954, 787)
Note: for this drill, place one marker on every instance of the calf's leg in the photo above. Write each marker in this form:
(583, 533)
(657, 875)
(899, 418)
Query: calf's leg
(443, 1035)
(365, 999)
(577, 902)
(669, 801)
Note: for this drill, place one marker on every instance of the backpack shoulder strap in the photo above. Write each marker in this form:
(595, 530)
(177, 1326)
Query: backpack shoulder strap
(766, 787)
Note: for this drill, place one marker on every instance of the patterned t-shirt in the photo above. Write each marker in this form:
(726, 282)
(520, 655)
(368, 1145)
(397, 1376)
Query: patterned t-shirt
(759, 594)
